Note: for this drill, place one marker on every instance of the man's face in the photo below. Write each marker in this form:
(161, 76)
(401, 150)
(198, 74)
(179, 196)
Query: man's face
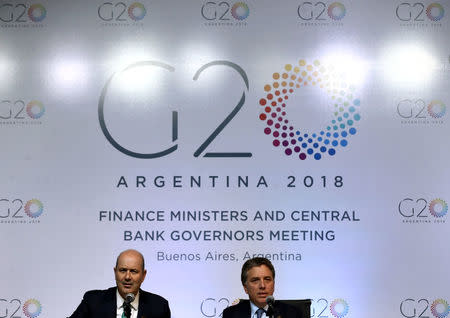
(129, 273)
(259, 284)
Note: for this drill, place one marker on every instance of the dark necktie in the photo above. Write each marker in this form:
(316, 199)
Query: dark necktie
(259, 312)
(126, 309)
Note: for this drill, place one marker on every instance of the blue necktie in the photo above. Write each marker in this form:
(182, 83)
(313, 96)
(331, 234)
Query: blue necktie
(259, 312)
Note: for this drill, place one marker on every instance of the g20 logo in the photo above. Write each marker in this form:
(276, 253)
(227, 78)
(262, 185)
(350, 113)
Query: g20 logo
(416, 12)
(316, 11)
(418, 109)
(220, 11)
(338, 307)
(22, 13)
(109, 11)
(412, 308)
(174, 125)
(31, 308)
(16, 209)
(17, 109)
(296, 141)
(213, 307)
(420, 208)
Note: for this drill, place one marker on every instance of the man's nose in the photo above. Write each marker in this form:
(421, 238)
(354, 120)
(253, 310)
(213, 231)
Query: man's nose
(262, 285)
(128, 275)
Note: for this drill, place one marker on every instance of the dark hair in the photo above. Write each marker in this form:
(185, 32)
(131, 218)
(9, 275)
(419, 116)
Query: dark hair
(254, 262)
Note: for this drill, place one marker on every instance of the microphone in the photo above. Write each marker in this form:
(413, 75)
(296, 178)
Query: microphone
(270, 300)
(129, 298)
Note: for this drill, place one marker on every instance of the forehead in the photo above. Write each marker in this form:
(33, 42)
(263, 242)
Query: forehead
(259, 271)
(129, 260)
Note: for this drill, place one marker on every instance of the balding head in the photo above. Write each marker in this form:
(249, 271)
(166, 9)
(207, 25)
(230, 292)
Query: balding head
(134, 253)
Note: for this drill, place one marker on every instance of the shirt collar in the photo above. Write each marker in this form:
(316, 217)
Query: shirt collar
(254, 308)
(120, 300)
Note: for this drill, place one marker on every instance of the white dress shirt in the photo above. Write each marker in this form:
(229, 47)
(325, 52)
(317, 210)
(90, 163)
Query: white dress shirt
(254, 308)
(134, 305)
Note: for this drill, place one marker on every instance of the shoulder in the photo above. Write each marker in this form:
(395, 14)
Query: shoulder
(150, 297)
(100, 293)
(288, 309)
(243, 305)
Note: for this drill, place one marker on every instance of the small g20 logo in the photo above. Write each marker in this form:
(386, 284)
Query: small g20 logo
(16, 209)
(213, 307)
(109, 11)
(221, 11)
(412, 308)
(420, 208)
(338, 307)
(420, 109)
(31, 308)
(22, 13)
(16, 109)
(415, 12)
(316, 11)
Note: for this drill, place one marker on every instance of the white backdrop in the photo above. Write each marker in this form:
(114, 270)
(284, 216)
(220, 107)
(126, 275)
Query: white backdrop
(357, 222)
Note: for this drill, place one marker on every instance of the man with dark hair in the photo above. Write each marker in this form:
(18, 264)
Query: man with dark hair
(258, 280)
(125, 300)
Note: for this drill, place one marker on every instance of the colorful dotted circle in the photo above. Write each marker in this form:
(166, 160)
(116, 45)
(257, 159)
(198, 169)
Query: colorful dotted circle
(37, 12)
(438, 208)
(302, 143)
(31, 109)
(136, 11)
(34, 208)
(240, 11)
(435, 12)
(336, 11)
(438, 304)
(339, 308)
(32, 308)
(437, 109)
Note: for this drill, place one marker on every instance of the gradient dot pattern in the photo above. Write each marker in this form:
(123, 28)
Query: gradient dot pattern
(435, 12)
(297, 142)
(240, 11)
(438, 208)
(32, 308)
(339, 308)
(34, 208)
(440, 308)
(437, 109)
(336, 11)
(37, 12)
(137, 11)
(31, 109)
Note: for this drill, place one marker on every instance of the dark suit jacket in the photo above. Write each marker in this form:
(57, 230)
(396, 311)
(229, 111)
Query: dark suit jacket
(103, 304)
(243, 310)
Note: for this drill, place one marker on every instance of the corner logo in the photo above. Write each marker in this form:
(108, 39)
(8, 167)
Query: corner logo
(336, 11)
(34, 208)
(37, 12)
(115, 13)
(297, 141)
(421, 111)
(19, 112)
(339, 308)
(418, 13)
(225, 13)
(22, 15)
(440, 308)
(321, 14)
(32, 308)
(435, 12)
